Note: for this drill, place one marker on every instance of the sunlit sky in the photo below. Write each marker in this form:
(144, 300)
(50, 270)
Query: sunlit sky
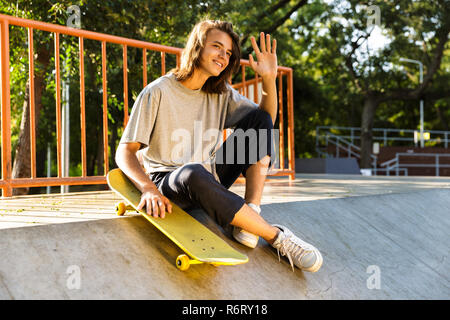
(377, 40)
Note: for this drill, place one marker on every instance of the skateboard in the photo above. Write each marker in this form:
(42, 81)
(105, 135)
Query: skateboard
(200, 244)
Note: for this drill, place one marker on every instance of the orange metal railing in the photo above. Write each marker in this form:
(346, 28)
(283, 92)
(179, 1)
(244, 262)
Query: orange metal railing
(7, 183)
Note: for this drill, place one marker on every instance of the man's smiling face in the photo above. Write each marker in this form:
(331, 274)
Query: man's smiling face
(216, 54)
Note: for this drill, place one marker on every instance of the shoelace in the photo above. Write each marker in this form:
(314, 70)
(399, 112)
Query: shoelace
(290, 248)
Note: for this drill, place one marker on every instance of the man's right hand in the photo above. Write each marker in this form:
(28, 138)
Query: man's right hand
(156, 204)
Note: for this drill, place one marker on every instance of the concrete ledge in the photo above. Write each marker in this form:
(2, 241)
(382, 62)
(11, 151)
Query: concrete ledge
(402, 238)
(327, 165)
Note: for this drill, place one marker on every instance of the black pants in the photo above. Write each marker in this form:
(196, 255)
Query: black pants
(192, 186)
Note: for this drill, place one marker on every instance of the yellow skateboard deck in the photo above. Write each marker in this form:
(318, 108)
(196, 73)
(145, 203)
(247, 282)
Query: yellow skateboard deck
(199, 243)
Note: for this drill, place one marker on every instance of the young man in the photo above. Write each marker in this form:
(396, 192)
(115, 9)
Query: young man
(170, 147)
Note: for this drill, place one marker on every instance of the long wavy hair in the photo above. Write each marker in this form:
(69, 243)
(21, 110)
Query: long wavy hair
(190, 57)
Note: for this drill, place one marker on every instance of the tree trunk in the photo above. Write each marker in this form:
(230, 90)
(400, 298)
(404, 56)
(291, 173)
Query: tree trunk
(22, 160)
(100, 158)
(368, 115)
(22, 165)
(443, 118)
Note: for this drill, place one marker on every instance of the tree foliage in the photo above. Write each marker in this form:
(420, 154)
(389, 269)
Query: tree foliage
(337, 66)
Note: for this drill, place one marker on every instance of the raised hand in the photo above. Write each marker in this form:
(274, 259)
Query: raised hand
(266, 58)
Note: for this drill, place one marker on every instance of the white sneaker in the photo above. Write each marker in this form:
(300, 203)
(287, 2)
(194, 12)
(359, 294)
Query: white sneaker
(302, 254)
(246, 238)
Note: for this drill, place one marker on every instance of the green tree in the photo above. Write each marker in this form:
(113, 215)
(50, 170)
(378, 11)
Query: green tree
(20, 87)
(154, 21)
(340, 58)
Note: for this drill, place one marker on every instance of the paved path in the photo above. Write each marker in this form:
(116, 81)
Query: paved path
(381, 238)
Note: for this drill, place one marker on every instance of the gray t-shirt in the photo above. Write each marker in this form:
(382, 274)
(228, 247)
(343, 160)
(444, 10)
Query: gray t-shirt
(177, 125)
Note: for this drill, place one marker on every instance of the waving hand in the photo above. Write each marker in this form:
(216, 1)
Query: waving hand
(266, 57)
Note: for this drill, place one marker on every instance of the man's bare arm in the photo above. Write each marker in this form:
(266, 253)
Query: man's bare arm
(266, 66)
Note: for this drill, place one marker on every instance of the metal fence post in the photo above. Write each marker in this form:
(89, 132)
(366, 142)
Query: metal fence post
(6, 110)
(436, 156)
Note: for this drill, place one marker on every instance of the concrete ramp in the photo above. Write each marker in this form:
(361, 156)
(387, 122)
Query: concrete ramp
(388, 246)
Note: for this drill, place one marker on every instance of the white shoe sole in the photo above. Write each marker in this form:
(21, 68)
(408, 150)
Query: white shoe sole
(246, 238)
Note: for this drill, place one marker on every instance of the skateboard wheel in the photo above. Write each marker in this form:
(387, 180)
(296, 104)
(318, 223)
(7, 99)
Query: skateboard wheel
(183, 262)
(121, 208)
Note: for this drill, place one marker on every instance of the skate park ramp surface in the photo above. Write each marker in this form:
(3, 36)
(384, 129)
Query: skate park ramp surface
(380, 237)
